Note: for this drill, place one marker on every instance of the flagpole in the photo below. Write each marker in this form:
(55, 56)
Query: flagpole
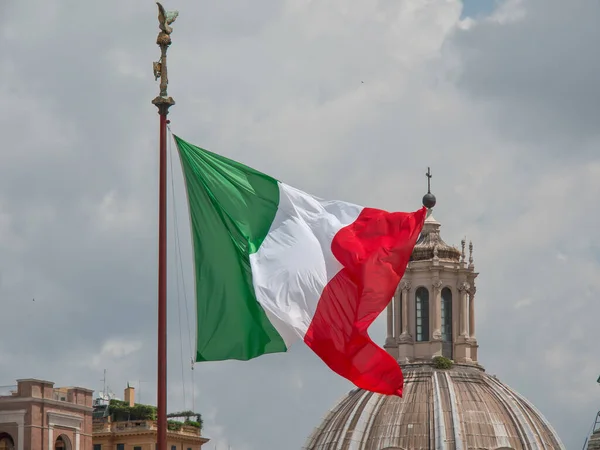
(163, 102)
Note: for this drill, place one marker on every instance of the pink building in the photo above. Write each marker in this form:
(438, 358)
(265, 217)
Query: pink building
(38, 416)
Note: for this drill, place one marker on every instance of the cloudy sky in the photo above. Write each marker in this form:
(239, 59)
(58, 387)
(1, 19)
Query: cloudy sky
(344, 99)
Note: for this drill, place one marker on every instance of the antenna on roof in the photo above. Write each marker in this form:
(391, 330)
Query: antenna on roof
(104, 383)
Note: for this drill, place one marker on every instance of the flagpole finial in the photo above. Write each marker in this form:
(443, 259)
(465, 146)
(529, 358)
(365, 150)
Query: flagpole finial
(165, 19)
(429, 199)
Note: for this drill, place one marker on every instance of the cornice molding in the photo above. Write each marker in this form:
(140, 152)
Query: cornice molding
(65, 420)
(17, 416)
(170, 434)
(56, 403)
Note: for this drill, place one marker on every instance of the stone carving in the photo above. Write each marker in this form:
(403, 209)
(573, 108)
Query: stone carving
(437, 285)
(405, 338)
(472, 291)
(464, 286)
(470, 253)
(405, 285)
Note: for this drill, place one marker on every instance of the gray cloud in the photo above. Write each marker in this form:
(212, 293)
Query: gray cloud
(502, 110)
(537, 74)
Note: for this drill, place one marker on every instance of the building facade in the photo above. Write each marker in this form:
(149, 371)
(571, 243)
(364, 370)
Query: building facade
(449, 402)
(594, 441)
(36, 415)
(110, 433)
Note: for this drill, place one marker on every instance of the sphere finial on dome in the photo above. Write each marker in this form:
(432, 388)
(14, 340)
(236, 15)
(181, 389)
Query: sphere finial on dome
(429, 199)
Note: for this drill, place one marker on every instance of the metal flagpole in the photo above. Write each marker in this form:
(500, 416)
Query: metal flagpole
(163, 102)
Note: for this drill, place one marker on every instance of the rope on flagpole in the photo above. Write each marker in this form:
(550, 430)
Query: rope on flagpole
(180, 275)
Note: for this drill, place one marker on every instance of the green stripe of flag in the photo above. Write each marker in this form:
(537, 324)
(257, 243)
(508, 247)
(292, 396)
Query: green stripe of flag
(231, 208)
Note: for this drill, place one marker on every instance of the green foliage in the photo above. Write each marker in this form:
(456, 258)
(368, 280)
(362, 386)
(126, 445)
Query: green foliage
(441, 362)
(143, 412)
(187, 414)
(120, 411)
(194, 423)
(174, 425)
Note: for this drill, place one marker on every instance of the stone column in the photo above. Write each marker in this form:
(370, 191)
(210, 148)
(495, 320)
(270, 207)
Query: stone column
(390, 320)
(437, 310)
(77, 439)
(472, 312)
(463, 288)
(50, 437)
(405, 287)
(21, 435)
(397, 313)
(391, 340)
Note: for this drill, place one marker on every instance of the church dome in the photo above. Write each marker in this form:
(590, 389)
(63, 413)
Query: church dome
(455, 409)
(430, 245)
(451, 406)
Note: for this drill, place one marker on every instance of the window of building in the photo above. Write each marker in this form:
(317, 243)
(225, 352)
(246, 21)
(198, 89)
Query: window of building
(120, 446)
(422, 314)
(6, 442)
(97, 446)
(137, 448)
(446, 315)
(173, 447)
(62, 443)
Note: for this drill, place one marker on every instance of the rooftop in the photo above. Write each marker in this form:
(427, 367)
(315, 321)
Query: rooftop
(457, 408)
(31, 388)
(594, 441)
(116, 416)
(430, 244)
(145, 426)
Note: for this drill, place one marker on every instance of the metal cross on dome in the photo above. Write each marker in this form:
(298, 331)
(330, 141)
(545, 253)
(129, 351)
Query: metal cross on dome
(429, 176)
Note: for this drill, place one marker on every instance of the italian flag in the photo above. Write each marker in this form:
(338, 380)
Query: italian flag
(274, 264)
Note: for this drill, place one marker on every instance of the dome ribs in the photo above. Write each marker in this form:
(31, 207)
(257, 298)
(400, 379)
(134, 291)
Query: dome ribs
(461, 408)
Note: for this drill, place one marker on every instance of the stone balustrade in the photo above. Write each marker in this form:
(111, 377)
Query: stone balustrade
(106, 426)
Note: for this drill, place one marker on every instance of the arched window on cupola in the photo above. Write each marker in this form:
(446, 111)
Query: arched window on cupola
(422, 314)
(446, 315)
